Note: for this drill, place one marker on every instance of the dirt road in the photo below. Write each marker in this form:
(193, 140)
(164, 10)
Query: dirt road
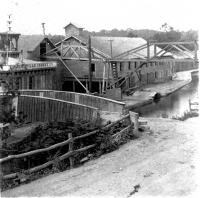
(162, 163)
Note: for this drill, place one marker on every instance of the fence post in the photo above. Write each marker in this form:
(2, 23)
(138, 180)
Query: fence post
(189, 105)
(128, 120)
(136, 122)
(71, 159)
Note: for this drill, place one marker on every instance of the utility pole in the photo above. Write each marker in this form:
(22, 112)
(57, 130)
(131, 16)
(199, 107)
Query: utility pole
(110, 47)
(43, 28)
(90, 65)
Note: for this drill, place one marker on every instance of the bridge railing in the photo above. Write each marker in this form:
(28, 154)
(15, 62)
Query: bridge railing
(103, 104)
(40, 109)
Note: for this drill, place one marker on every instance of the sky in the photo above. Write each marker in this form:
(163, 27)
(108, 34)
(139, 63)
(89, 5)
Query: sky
(95, 15)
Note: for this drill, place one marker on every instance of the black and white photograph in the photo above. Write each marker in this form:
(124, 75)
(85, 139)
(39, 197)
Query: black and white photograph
(99, 98)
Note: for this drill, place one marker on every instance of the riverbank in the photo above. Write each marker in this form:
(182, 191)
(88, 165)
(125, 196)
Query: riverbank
(146, 93)
(163, 162)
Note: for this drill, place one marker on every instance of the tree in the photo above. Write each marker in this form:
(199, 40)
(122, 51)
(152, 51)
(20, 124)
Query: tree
(167, 34)
(132, 35)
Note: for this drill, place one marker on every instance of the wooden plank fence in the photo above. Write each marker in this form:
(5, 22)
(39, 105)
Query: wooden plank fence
(40, 109)
(71, 152)
(103, 104)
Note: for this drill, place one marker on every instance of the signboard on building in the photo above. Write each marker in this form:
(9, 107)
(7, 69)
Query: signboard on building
(39, 65)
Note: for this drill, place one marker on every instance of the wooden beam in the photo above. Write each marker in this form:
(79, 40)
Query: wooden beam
(104, 75)
(130, 51)
(165, 52)
(181, 46)
(170, 43)
(155, 49)
(90, 65)
(87, 91)
(74, 52)
(160, 51)
(148, 52)
(181, 50)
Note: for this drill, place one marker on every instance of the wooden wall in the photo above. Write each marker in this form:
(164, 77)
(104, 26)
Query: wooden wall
(101, 103)
(40, 109)
(33, 79)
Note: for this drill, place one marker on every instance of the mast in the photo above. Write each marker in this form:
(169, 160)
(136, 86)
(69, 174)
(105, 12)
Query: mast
(8, 44)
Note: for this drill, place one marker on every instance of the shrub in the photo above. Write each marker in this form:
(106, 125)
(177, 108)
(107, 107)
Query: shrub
(186, 115)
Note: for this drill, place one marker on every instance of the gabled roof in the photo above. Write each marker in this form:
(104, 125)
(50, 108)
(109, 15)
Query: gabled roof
(75, 25)
(80, 39)
(119, 45)
(30, 42)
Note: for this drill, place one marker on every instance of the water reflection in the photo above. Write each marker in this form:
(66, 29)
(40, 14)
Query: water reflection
(172, 105)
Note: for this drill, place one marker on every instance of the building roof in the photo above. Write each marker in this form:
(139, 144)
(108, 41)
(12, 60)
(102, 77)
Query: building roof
(119, 45)
(74, 24)
(9, 32)
(30, 42)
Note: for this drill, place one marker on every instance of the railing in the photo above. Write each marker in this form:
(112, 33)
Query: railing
(40, 109)
(71, 152)
(103, 104)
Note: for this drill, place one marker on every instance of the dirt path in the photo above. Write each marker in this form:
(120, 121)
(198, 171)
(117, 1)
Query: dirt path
(163, 163)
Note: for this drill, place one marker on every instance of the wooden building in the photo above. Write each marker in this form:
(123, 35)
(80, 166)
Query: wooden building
(73, 51)
(112, 59)
(23, 73)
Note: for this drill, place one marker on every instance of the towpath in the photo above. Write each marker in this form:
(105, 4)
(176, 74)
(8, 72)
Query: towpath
(160, 163)
(146, 93)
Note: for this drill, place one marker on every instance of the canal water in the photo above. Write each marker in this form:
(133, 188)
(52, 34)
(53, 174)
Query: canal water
(172, 105)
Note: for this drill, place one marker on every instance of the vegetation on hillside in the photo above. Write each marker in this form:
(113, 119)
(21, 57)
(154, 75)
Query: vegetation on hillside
(46, 135)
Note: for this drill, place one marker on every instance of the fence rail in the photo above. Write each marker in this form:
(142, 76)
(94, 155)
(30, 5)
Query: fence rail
(71, 152)
(40, 109)
(103, 104)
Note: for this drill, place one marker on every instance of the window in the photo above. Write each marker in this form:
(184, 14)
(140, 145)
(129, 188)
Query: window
(43, 49)
(93, 67)
(135, 65)
(121, 66)
(129, 65)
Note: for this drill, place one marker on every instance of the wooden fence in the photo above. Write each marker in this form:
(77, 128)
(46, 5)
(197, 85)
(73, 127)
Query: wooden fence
(71, 152)
(40, 109)
(103, 104)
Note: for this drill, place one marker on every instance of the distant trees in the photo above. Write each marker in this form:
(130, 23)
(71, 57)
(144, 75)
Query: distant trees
(167, 34)
(131, 34)
(55, 38)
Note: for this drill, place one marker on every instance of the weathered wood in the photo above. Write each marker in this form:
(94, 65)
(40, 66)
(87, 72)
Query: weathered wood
(85, 135)
(71, 159)
(48, 109)
(113, 123)
(85, 99)
(136, 123)
(122, 131)
(62, 157)
(10, 157)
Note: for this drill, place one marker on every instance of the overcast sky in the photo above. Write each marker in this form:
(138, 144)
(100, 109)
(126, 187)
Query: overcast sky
(95, 15)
